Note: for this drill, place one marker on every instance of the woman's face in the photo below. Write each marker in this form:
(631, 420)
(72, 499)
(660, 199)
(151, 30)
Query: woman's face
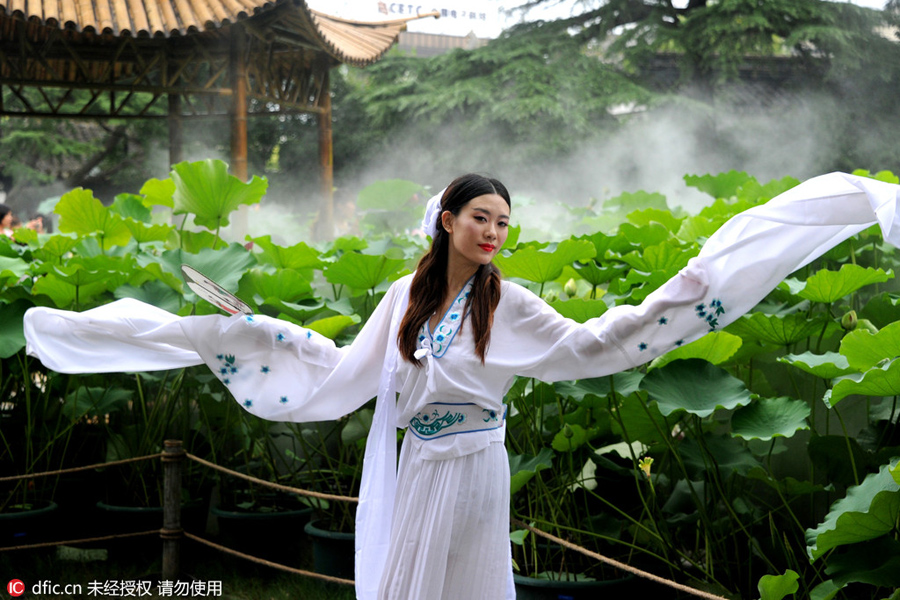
(479, 230)
(6, 221)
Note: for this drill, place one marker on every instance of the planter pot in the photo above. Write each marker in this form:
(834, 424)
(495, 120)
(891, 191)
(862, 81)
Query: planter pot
(276, 536)
(130, 519)
(334, 552)
(528, 588)
(23, 527)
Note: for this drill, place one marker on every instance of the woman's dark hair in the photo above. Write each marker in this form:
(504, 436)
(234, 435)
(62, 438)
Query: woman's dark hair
(4, 210)
(429, 285)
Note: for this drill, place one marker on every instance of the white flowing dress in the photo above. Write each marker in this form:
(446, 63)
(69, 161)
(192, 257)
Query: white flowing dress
(440, 528)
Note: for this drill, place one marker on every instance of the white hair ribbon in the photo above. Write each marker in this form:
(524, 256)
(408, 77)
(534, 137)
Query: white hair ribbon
(432, 213)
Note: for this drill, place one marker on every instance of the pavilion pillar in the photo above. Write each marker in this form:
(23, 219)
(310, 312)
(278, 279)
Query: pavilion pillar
(176, 136)
(238, 115)
(325, 223)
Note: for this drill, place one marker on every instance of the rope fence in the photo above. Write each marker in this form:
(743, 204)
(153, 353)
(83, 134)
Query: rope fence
(171, 530)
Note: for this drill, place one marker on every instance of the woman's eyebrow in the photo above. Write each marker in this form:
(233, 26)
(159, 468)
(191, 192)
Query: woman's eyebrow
(488, 213)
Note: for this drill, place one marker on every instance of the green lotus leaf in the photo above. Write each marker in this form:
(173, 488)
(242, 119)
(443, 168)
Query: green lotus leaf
(880, 380)
(625, 383)
(391, 194)
(754, 191)
(79, 212)
(865, 350)
(194, 241)
(523, 467)
(155, 293)
(650, 215)
(65, 294)
(768, 418)
(830, 286)
(285, 285)
(12, 267)
(331, 327)
(694, 386)
(873, 562)
(206, 190)
(159, 192)
(569, 438)
(357, 426)
(780, 330)
(776, 587)
(55, 247)
(645, 236)
(886, 176)
(665, 257)
(640, 199)
(827, 366)
(301, 311)
(788, 485)
(362, 271)
(12, 334)
(723, 185)
(826, 590)
(96, 401)
(696, 228)
(595, 274)
(131, 206)
(144, 233)
(541, 266)
(579, 309)
(882, 309)
(868, 511)
(715, 347)
(225, 267)
(639, 422)
(298, 257)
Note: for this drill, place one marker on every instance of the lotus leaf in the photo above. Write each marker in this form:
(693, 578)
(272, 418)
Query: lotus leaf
(767, 418)
(158, 192)
(694, 386)
(362, 271)
(723, 185)
(880, 380)
(523, 467)
(875, 562)
(299, 256)
(331, 327)
(225, 267)
(655, 215)
(12, 334)
(542, 266)
(830, 286)
(868, 511)
(569, 438)
(79, 212)
(636, 200)
(285, 285)
(715, 347)
(131, 206)
(776, 587)
(357, 426)
(782, 330)
(579, 309)
(865, 350)
(206, 190)
(826, 366)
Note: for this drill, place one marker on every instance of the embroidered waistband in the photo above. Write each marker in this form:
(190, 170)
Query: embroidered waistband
(440, 419)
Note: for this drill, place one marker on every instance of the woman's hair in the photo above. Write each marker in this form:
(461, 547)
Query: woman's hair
(4, 210)
(429, 285)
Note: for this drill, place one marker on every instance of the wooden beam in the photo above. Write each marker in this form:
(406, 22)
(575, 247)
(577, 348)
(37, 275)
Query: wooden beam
(238, 78)
(325, 223)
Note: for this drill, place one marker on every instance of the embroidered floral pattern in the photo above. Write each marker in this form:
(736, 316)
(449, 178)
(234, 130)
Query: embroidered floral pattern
(490, 416)
(710, 313)
(446, 330)
(431, 424)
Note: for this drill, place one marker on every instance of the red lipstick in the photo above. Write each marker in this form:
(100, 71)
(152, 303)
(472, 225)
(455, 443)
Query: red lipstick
(487, 247)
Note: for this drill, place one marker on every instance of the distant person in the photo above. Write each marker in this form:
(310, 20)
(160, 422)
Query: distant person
(440, 351)
(9, 222)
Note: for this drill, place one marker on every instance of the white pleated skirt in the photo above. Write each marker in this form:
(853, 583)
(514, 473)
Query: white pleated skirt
(450, 537)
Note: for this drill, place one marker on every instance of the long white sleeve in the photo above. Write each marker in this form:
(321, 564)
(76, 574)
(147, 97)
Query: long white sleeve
(736, 268)
(274, 369)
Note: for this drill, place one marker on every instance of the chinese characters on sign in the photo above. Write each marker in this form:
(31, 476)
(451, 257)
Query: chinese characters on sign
(401, 9)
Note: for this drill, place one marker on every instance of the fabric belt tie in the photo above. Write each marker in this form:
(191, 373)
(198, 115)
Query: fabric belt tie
(429, 367)
(440, 419)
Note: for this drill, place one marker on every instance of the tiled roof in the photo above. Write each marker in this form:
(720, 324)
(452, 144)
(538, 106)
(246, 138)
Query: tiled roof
(353, 42)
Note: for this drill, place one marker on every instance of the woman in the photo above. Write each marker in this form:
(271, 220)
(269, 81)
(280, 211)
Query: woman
(441, 350)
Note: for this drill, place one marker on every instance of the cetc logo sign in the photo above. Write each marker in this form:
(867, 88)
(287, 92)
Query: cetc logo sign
(15, 587)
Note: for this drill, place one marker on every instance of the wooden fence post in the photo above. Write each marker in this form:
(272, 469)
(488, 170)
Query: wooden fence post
(171, 532)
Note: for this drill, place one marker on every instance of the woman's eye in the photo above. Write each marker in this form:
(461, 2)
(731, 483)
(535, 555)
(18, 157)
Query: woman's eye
(480, 219)
(503, 224)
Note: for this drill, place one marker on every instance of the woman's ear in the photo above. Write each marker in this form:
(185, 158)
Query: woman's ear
(447, 221)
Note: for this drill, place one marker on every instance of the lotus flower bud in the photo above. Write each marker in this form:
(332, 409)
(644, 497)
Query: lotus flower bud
(551, 297)
(568, 432)
(645, 464)
(571, 288)
(849, 321)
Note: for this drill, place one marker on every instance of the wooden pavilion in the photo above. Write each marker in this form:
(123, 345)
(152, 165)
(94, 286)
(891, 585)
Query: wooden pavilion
(182, 59)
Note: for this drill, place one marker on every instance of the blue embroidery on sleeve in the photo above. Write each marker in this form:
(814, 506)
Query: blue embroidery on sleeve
(642, 346)
(248, 402)
(264, 369)
(280, 337)
(284, 400)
